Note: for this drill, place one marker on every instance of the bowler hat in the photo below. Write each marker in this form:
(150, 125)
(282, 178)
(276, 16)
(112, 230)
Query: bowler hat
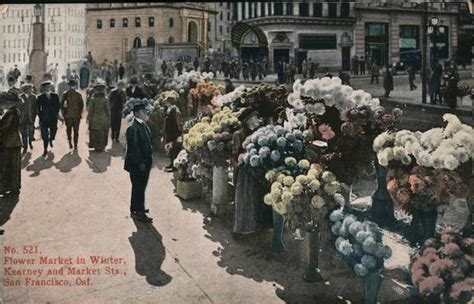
(47, 82)
(138, 107)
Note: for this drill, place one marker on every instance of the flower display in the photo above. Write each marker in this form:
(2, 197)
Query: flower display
(205, 91)
(303, 192)
(267, 147)
(359, 242)
(181, 164)
(166, 99)
(228, 99)
(184, 81)
(439, 148)
(442, 267)
(464, 88)
(264, 98)
(132, 102)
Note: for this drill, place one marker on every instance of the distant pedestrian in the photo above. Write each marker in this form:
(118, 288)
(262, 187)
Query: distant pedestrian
(388, 80)
(229, 86)
(179, 67)
(362, 65)
(196, 64)
(452, 88)
(26, 122)
(345, 78)
(89, 58)
(117, 100)
(253, 70)
(164, 67)
(304, 68)
(68, 72)
(62, 86)
(99, 118)
(55, 73)
(312, 68)
(327, 73)
(10, 149)
(84, 74)
(355, 65)
(72, 106)
(411, 77)
(16, 72)
(245, 71)
(74, 76)
(133, 90)
(121, 71)
(374, 73)
(138, 161)
(33, 111)
(48, 113)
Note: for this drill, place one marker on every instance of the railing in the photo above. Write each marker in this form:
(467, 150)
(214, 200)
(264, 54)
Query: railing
(431, 6)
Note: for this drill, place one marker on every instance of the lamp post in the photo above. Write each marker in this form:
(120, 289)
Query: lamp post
(38, 55)
(433, 29)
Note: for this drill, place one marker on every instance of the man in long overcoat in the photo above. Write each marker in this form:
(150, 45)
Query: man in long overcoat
(117, 99)
(48, 113)
(72, 106)
(84, 74)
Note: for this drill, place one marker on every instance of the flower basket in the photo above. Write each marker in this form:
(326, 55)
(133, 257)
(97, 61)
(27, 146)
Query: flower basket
(188, 190)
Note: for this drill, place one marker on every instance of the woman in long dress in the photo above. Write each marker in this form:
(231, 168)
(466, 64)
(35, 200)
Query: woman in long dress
(10, 145)
(250, 214)
(98, 119)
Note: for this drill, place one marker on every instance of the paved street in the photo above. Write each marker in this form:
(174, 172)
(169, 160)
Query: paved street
(76, 204)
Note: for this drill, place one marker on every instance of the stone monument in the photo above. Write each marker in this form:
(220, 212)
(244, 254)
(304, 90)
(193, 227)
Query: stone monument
(38, 56)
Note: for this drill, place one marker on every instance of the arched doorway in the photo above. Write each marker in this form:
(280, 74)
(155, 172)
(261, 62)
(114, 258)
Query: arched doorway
(251, 41)
(192, 32)
(150, 42)
(137, 43)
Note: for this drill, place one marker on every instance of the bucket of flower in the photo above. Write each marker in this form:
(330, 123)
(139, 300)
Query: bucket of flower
(425, 172)
(187, 188)
(302, 194)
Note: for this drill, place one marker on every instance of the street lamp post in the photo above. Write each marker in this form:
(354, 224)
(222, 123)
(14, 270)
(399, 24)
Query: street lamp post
(38, 56)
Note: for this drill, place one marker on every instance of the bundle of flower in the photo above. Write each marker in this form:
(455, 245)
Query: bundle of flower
(439, 148)
(359, 242)
(442, 269)
(422, 188)
(181, 163)
(268, 147)
(264, 98)
(184, 81)
(211, 138)
(464, 88)
(132, 102)
(303, 192)
(205, 91)
(167, 99)
(228, 99)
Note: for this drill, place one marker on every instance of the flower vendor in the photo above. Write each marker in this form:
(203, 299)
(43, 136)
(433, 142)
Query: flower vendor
(173, 130)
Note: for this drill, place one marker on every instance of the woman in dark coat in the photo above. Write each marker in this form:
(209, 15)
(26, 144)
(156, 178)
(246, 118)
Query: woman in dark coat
(10, 154)
(388, 80)
(99, 119)
(251, 214)
(436, 84)
(173, 130)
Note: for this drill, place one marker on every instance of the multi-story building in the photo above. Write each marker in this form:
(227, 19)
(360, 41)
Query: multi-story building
(64, 35)
(332, 31)
(220, 25)
(115, 31)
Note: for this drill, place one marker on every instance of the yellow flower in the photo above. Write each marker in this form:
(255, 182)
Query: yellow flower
(286, 197)
(280, 177)
(316, 167)
(314, 185)
(288, 180)
(270, 175)
(280, 208)
(290, 161)
(296, 189)
(267, 199)
(276, 185)
(332, 188)
(303, 164)
(302, 179)
(317, 202)
(328, 177)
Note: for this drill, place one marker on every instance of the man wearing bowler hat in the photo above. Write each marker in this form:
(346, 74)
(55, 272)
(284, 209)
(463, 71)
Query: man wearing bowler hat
(48, 112)
(72, 106)
(26, 123)
(138, 161)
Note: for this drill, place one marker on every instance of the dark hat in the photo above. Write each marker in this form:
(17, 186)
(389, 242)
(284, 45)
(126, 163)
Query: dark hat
(138, 107)
(247, 113)
(72, 82)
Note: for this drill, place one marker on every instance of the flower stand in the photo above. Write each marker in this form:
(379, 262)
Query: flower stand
(371, 285)
(422, 227)
(278, 227)
(382, 211)
(311, 249)
(188, 190)
(220, 190)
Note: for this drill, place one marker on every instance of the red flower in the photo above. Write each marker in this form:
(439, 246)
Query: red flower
(431, 285)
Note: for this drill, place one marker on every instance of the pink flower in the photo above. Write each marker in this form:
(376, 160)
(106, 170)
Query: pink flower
(451, 250)
(461, 291)
(326, 132)
(431, 285)
(441, 266)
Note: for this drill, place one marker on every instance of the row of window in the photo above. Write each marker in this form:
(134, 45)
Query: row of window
(25, 13)
(19, 13)
(138, 22)
(15, 43)
(23, 28)
(22, 43)
(280, 9)
(7, 58)
(22, 57)
(221, 29)
(221, 16)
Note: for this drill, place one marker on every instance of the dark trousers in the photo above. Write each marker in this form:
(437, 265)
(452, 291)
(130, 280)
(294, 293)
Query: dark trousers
(48, 133)
(72, 123)
(25, 131)
(115, 123)
(139, 183)
(412, 83)
(376, 77)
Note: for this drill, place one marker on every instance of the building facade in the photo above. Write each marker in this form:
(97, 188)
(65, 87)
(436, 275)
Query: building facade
(170, 30)
(64, 35)
(220, 25)
(295, 31)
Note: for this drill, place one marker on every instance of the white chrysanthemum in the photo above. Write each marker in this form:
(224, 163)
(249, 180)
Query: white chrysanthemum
(454, 124)
(381, 140)
(450, 162)
(384, 156)
(432, 138)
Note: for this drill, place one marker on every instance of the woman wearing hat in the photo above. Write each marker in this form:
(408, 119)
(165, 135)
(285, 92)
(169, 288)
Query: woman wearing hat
(98, 118)
(10, 146)
(251, 214)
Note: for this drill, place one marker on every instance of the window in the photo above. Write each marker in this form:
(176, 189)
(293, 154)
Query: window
(332, 10)
(150, 42)
(171, 22)
(289, 8)
(345, 9)
(171, 39)
(220, 3)
(220, 16)
(318, 42)
(54, 53)
(99, 24)
(278, 9)
(151, 21)
(138, 22)
(220, 29)
(376, 29)
(125, 22)
(112, 22)
(54, 41)
(409, 38)
(228, 16)
(137, 43)
(304, 9)
(318, 9)
(228, 30)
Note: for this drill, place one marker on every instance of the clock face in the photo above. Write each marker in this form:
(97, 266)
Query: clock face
(454, 214)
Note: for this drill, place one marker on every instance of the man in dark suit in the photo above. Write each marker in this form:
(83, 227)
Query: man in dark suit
(133, 90)
(138, 161)
(48, 111)
(117, 100)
